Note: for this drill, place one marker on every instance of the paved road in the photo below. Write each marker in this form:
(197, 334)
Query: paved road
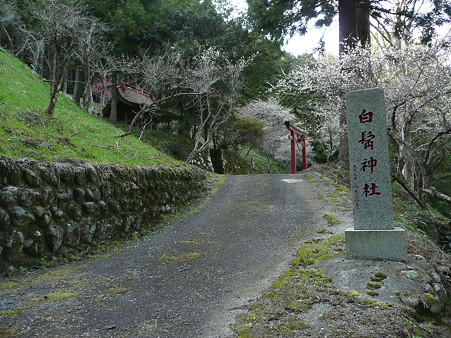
(187, 280)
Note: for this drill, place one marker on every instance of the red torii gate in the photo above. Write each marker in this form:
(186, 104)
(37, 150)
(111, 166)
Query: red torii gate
(297, 136)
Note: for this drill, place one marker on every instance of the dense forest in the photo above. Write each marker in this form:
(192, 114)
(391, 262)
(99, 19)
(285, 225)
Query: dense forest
(222, 82)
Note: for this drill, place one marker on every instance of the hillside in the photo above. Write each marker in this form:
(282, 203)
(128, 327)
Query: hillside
(27, 132)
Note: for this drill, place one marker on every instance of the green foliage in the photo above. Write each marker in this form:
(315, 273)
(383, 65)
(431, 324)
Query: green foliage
(255, 162)
(332, 220)
(129, 22)
(156, 26)
(269, 64)
(309, 254)
(185, 22)
(172, 144)
(130, 26)
(250, 127)
(378, 277)
(280, 17)
(240, 132)
(373, 286)
(27, 132)
(443, 179)
(372, 293)
(60, 295)
(182, 258)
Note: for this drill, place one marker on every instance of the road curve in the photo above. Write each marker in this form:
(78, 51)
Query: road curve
(189, 279)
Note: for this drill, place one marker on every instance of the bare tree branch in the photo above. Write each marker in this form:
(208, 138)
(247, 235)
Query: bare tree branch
(437, 194)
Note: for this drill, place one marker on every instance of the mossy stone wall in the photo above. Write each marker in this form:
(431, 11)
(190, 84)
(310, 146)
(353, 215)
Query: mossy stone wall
(59, 209)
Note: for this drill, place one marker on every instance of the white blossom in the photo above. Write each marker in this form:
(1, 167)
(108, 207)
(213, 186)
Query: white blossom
(273, 115)
(417, 84)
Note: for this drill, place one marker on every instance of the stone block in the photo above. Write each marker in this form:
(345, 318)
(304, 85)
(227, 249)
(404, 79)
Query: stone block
(90, 207)
(47, 174)
(4, 218)
(376, 244)
(28, 197)
(43, 216)
(79, 195)
(34, 244)
(8, 196)
(31, 177)
(14, 244)
(54, 237)
(21, 217)
(66, 175)
(79, 176)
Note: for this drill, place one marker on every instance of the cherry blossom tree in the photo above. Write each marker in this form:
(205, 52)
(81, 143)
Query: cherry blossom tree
(207, 86)
(218, 84)
(416, 79)
(276, 143)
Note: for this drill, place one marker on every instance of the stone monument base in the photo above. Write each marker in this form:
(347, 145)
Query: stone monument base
(376, 244)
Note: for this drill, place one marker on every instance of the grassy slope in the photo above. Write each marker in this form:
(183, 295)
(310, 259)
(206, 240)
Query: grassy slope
(26, 132)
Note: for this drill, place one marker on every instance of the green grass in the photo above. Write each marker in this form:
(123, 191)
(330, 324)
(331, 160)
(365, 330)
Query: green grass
(263, 165)
(251, 162)
(26, 131)
(172, 144)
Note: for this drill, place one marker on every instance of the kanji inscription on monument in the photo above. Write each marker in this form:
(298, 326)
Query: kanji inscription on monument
(374, 233)
(369, 162)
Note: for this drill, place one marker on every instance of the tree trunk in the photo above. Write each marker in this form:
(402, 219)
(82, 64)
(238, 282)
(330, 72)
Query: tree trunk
(38, 58)
(55, 89)
(343, 148)
(347, 37)
(437, 194)
(78, 85)
(354, 26)
(113, 114)
(354, 23)
(54, 70)
(65, 80)
(216, 160)
(363, 22)
(87, 99)
(87, 89)
(347, 24)
(410, 191)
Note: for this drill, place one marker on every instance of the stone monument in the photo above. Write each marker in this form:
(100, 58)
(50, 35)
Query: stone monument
(374, 235)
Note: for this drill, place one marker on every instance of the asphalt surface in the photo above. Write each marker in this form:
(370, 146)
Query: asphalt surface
(189, 279)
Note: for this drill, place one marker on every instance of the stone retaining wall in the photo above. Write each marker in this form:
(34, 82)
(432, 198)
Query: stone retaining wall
(52, 209)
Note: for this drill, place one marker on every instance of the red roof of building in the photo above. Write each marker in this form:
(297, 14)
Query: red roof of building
(127, 93)
(134, 95)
